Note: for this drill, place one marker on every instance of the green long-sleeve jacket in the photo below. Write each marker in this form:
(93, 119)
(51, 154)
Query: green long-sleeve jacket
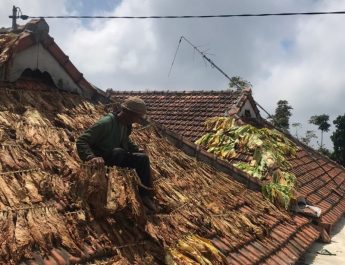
(105, 135)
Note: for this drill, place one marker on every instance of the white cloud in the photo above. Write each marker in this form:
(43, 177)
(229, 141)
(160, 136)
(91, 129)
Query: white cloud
(311, 76)
(299, 59)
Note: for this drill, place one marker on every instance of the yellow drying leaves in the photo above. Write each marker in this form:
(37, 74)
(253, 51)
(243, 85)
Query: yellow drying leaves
(268, 148)
(194, 249)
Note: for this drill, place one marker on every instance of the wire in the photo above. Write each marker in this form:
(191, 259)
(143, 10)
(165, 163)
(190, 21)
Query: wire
(269, 115)
(197, 16)
(172, 64)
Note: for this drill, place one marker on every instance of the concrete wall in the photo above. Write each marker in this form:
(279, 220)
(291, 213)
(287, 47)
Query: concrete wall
(37, 57)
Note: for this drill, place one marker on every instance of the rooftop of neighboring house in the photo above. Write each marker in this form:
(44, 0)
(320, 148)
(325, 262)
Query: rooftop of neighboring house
(184, 112)
(31, 47)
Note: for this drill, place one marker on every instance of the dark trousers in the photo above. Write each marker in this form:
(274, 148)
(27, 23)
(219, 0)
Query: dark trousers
(139, 161)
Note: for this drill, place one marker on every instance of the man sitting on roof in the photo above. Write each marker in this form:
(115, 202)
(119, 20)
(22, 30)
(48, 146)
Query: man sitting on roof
(107, 142)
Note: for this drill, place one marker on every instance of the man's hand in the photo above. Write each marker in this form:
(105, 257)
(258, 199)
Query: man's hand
(97, 161)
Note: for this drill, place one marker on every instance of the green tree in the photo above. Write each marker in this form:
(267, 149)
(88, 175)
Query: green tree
(239, 82)
(338, 139)
(309, 135)
(322, 122)
(325, 152)
(282, 114)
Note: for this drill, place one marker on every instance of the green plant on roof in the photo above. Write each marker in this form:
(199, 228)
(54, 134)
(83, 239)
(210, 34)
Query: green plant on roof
(280, 189)
(268, 148)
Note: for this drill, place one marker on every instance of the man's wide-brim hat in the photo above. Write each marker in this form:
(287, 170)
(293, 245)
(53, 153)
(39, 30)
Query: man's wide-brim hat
(135, 105)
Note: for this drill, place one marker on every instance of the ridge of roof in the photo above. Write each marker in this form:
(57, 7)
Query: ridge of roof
(169, 92)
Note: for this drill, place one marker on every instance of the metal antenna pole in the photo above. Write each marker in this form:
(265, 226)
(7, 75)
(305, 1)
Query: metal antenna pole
(206, 58)
(220, 70)
(269, 115)
(14, 18)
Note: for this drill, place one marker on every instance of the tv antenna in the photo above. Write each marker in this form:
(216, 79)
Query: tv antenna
(201, 53)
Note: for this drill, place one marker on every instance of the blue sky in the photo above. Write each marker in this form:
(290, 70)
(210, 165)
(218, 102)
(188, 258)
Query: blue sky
(92, 7)
(287, 44)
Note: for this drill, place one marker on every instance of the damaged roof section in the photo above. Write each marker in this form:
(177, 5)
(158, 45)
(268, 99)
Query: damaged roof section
(31, 47)
(42, 218)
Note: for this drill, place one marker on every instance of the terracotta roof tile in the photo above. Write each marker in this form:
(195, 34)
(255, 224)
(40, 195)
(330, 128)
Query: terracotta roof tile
(325, 206)
(235, 259)
(314, 198)
(192, 108)
(294, 245)
(255, 254)
(300, 220)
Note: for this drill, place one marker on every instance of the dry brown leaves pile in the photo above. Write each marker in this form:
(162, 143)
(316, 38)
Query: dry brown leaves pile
(43, 193)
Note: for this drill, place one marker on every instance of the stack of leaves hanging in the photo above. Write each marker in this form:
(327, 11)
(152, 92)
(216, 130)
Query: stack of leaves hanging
(268, 148)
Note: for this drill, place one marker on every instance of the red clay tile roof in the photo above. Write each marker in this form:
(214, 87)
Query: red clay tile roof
(185, 112)
(12, 43)
(319, 179)
(322, 182)
(38, 129)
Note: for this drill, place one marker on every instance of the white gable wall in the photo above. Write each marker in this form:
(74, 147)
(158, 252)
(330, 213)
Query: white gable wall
(37, 57)
(247, 107)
